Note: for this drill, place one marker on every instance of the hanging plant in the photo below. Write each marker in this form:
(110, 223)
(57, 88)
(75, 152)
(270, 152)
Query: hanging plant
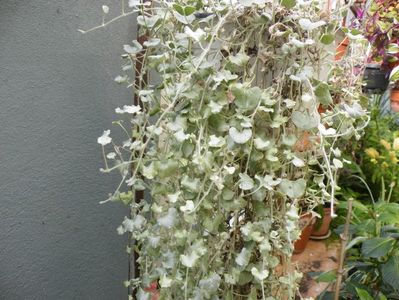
(229, 144)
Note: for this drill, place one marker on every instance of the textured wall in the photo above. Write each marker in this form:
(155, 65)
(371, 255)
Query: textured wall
(56, 96)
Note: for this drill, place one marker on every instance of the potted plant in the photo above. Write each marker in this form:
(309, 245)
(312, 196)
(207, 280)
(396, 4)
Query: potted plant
(381, 29)
(216, 143)
(306, 224)
(321, 229)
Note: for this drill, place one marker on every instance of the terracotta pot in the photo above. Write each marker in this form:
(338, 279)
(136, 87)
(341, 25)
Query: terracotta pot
(153, 290)
(395, 106)
(395, 100)
(322, 231)
(341, 49)
(395, 95)
(321, 109)
(306, 222)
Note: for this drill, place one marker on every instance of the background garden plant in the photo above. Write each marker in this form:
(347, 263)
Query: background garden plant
(228, 142)
(382, 30)
(371, 264)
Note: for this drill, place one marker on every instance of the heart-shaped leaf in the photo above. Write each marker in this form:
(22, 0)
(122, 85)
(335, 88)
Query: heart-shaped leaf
(240, 137)
(246, 182)
(304, 120)
(293, 189)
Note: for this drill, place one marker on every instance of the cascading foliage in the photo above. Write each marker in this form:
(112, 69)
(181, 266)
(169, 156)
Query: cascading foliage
(228, 142)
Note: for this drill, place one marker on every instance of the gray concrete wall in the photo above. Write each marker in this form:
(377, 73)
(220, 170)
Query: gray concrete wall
(57, 95)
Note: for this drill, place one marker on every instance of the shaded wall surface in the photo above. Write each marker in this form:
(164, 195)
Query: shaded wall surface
(57, 95)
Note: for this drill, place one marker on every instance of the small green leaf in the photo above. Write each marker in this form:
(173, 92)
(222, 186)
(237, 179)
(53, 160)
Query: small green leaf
(329, 276)
(166, 168)
(179, 9)
(288, 3)
(244, 278)
(189, 10)
(126, 198)
(363, 294)
(382, 297)
(184, 11)
(227, 194)
(327, 39)
(392, 48)
(322, 93)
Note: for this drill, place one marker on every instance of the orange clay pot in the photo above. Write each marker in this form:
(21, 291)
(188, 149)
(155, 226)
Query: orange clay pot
(324, 228)
(395, 95)
(395, 100)
(306, 222)
(341, 49)
(321, 109)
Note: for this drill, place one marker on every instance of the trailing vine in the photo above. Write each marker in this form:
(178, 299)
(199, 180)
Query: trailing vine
(229, 142)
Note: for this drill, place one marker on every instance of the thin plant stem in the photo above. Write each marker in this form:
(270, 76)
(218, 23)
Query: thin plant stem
(344, 239)
(105, 157)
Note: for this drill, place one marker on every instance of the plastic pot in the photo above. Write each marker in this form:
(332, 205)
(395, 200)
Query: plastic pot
(376, 79)
(306, 222)
(322, 231)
